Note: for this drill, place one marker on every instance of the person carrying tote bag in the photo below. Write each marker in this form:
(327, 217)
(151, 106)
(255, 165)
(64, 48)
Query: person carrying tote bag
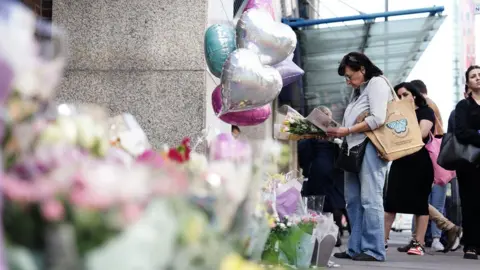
(364, 183)
(401, 135)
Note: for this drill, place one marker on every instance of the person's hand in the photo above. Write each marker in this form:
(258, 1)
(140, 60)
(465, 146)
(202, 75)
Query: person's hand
(338, 132)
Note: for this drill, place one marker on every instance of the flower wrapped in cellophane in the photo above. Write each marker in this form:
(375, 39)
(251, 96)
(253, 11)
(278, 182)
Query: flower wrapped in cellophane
(255, 226)
(294, 126)
(288, 198)
(127, 134)
(292, 240)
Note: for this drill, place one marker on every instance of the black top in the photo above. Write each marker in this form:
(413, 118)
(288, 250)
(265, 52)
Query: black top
(467, 122)
(426, 113)
(317, 160)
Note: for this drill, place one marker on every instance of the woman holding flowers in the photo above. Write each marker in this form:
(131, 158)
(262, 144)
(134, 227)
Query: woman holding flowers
(364, 188)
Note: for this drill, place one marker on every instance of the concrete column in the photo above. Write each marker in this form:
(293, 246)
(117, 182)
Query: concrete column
(143, 56)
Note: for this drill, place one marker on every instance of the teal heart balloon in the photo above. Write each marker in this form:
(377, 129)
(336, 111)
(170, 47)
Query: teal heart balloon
(219, 43)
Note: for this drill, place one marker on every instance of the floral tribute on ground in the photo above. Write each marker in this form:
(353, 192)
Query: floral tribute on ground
(85, 191)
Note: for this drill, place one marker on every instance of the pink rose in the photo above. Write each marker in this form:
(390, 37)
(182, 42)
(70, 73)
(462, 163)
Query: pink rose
(17, 190)
(83, 198)
(151, 158)
(45, 189)
(52, 210)
(131, 213)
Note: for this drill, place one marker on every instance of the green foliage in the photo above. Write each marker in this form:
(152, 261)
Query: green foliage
(282, 240)
(24, 225)
(92, 229)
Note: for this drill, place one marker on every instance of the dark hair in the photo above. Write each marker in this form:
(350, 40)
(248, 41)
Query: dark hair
(420, 85)
(420, 100)
(235, 128)
(356, 61)
(469, 69)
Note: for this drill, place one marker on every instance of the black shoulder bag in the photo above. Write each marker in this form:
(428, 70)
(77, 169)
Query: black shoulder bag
(351, 161)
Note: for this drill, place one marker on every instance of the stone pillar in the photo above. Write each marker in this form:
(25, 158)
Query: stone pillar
(143, 56)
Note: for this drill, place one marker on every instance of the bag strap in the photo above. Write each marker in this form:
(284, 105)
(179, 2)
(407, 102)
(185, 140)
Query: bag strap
(394, 94)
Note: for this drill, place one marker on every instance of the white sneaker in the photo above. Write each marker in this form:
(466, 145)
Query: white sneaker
(437, 245)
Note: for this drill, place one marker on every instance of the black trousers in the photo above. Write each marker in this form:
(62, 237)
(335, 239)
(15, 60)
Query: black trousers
(469, 188)
(337, 217)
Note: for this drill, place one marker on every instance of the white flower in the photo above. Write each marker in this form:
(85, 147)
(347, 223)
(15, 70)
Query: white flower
(68, 128)
(289, 224)
(198, 162)
(51, 134)
(87, 131)
(282, 226)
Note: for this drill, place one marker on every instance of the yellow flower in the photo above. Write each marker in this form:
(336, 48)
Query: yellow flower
(271, 221)
(250, 266)
(194, 228)
(236, 262)
(279, 177)
(231, 262)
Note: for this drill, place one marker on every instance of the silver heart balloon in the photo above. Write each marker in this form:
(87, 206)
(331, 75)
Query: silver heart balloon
(247, 83)
(271, 40)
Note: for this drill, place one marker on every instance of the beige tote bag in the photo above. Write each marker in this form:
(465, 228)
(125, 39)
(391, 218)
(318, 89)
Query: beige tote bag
(400, 135)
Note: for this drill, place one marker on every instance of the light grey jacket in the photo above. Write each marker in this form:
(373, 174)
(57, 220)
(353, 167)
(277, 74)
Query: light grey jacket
(374, 98)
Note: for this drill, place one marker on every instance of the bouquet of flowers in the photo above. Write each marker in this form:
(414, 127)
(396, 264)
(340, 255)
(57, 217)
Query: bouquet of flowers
(306, 244)
(296, 127)
(281, 245)
(292, 240)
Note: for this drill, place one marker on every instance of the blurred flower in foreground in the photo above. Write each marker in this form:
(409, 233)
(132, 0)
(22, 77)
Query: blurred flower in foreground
(236, 262)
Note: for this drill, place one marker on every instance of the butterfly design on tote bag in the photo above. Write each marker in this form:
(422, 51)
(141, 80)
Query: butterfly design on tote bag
(399, 126)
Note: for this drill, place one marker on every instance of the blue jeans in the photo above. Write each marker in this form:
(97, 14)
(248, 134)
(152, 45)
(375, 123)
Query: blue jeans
(364, 196)
(437, 200)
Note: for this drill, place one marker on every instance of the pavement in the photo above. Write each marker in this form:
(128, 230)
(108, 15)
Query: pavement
(402, 261)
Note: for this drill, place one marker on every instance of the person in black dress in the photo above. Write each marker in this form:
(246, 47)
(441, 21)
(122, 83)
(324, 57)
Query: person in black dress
(410, 178)
(467, 131)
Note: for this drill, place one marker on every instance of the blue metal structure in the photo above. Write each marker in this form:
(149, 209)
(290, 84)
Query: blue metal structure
(394, 46)
(299, 22)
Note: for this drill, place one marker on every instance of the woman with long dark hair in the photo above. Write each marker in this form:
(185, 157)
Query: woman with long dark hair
(366, 111)
(410, 178)
(467, 131)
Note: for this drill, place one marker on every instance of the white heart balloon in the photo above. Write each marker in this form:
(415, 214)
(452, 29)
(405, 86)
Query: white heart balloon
(247, 83)
(271, 40)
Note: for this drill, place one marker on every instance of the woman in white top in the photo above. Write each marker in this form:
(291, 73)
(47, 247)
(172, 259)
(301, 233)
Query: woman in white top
(364, 189)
